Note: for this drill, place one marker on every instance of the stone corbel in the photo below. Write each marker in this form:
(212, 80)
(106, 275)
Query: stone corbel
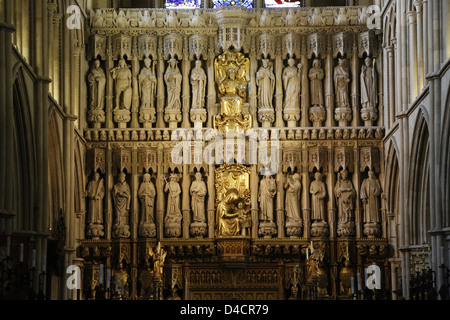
(122, 45)
(97, 47)
(318, 158)
(316, 45)
(342, 44)
(96, 160)
(122, 160)
(291, 45)
(148, 46)
(367, 43)
(343, 157)
(173, 46)
(369, 159)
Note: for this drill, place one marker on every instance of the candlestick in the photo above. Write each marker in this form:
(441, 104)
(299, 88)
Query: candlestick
(101, 275)
(352, 279)
(307, 253)
(358, 280)
(8, 246)
(108, 278)
(33, 259)
(21, 252)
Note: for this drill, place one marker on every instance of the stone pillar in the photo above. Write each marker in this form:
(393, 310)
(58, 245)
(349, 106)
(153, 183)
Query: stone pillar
(160, 195)
(134, 82)
(211, 201)
(278, 87)
(306, 203)
(304, 122)
(185, 204)
(420, 42)
(357, 186)
(160, 96)
(109, 85)
(389, 53)
(280, 180)
(186, 95)
(109, 184)
(253, 88)
(355, 72)
(211, 86)
(254, 186)
(328, 86)
(134, 184)
(412, 43)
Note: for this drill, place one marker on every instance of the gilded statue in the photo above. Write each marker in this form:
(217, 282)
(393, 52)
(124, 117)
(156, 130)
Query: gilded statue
(158, 256)
(232, 70)
(232, 215)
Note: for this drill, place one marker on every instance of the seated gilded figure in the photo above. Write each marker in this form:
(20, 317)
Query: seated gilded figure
(233, 215)
(232, 69)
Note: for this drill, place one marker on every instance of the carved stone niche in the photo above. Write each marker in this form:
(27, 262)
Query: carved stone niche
(173, 46)
(97, 47)
(122, 160)
(318, 158)
(147, 159)
(292, 159)
(96, 160)
(367, 43)
(369, 158)
(343, 157)
(122, 45)
(147, 46)
(266, 45)
(291, 45)
(198, 46)
(316, 45)
(342, 43)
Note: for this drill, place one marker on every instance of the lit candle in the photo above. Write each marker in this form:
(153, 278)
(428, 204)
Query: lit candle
(8, 246)
(442, 256)
(312, 247)
(307, 253)
(101, 275)
(358, 281)
(353, 284)
(33, 260)
(117, 283)
(21, 252)
(108, 278)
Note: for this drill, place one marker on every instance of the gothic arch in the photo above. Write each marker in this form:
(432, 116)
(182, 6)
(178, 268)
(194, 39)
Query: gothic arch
(24, 186)
(445, 159)
(419, 191)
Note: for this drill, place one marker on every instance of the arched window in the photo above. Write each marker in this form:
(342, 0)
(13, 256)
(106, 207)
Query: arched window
(282, 3)
(183, 4)
(231, 3)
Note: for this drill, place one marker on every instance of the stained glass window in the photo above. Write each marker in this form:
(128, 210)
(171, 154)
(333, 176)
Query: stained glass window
(231, 3)
(282, 3)
(183, 4)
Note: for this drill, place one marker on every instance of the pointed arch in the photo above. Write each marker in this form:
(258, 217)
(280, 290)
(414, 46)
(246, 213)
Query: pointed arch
(445, 160)
(419, 192)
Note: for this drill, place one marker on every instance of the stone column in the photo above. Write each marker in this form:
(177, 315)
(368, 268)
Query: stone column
(160, 195)
(304, 122)
(420, 42)
(328, 86)
(280, 180)
(211, 100)
(109, 85)
(389, 53)
(412, 43)
(254, 186)
(357, 186)
(355, 72)
(306, 203)
(186, 95)
(252, 86)
(134, 183)
(109, 184)
(135, 72)
(160, 95)
(185, 205)
(211, 202)
(279, 87)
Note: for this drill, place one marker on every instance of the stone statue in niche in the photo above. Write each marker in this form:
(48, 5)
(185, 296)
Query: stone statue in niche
(121, 198)
(291, 82)
(370, 193)
(345, 194)
(198, 83)
(171, 20)
(316, 75)
(198, 193)
(267, 192)
(341, 81)
(294, 222)
(173, 217)
(196, 20)
(147, 84)
(98, 21)
(122, 76)
(265, 80)
(97, 84)
(95, 193)
(369, 88)
(147, 194)
(173, 79)
(318, 191)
